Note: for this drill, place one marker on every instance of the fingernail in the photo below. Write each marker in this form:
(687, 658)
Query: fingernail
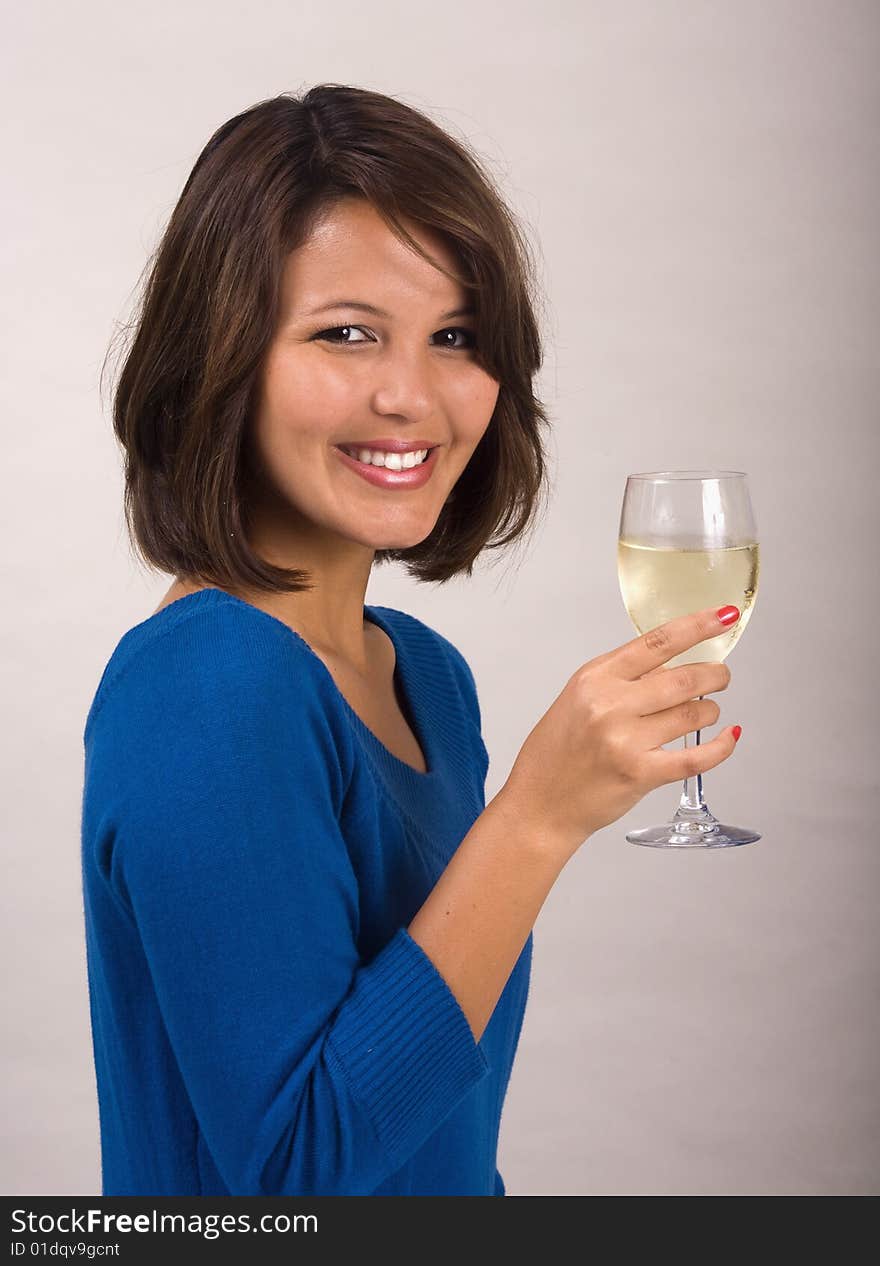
(728, 615)
(737, 731)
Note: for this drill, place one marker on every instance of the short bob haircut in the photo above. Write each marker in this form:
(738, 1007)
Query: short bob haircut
(208, 311)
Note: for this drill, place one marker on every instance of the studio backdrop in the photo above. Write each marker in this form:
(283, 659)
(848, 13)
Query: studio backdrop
(700, 185)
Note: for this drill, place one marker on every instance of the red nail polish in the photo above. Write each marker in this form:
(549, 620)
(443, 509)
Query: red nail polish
(737, 731)
(728, 615)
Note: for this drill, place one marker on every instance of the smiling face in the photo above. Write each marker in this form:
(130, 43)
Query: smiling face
(344, 376)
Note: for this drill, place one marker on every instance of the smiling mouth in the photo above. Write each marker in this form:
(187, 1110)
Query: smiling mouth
(392, 477)
(388, 461)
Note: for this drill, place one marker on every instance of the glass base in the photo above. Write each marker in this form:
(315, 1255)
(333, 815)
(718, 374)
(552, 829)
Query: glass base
(691, 829)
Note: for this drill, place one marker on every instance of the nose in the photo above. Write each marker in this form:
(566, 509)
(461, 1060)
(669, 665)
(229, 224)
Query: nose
(403, 383)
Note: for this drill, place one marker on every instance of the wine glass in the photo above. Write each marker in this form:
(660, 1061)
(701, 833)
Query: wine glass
(688, 540)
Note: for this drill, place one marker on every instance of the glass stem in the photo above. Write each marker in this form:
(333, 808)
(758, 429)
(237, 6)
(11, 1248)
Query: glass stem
(692, 804)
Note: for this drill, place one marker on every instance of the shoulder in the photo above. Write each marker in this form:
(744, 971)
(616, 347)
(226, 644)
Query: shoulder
(210, 654)
(220, 712)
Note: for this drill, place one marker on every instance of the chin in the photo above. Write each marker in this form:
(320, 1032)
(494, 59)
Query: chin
(402, 538)
(399, 543)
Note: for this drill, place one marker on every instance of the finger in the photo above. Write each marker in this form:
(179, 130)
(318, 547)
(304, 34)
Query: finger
(684, 718)
(668, 668)
(654, 672)
(664, 688)
(665, 767)
(652, 649)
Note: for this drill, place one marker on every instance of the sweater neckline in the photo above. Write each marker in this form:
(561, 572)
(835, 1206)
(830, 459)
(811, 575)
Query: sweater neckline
(405, 684)
(408, 696)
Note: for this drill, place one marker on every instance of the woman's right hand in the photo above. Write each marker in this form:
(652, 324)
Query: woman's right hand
(598, 750)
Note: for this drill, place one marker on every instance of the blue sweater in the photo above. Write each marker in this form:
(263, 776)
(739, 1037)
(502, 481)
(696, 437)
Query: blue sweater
(262, 1022)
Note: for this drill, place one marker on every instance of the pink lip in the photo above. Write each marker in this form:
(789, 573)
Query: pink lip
(382, 478)
(391, 445)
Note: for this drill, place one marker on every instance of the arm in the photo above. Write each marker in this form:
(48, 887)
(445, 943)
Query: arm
(478, 917)
(310, 1071)
(475, 922)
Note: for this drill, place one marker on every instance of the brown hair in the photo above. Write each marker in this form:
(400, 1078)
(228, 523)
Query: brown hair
(207, 314)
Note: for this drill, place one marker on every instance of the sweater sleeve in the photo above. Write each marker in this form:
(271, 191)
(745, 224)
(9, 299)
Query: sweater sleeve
(310, 1071)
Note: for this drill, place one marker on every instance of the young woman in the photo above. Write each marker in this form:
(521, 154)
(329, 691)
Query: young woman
(308, 937)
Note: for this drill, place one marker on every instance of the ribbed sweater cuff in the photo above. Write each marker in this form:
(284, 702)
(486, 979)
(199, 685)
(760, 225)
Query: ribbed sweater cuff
(405, 1046)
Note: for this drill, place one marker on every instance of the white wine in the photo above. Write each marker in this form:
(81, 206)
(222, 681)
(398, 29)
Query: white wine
(658, 584)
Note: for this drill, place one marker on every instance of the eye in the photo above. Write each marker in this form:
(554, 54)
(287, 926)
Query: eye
(328, 336)
(469, 334)
(339, 329)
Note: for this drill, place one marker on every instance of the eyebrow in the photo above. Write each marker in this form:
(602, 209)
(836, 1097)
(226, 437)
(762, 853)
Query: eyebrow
(371, 308)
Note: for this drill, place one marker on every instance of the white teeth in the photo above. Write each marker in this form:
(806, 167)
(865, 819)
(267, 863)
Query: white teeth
(391, 461)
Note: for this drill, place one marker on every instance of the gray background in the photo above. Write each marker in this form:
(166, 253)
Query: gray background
(700, 183)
